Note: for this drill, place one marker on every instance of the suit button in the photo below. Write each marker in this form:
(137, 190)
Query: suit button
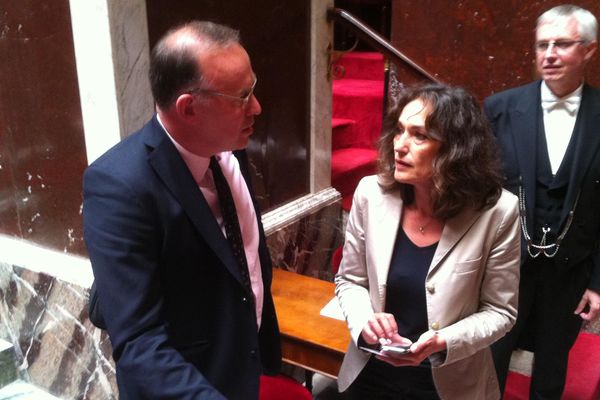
(244, 299)
(253, 353)
(435, 326)
(430, 289)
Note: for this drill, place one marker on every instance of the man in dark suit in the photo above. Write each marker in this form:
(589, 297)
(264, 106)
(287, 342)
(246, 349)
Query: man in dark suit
(184, 288)
(549, 134)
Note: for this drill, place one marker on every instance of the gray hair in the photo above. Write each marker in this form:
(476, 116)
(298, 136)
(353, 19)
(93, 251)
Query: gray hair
(586, 21)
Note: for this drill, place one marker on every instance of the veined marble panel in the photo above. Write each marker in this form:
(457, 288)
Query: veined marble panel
(303, 234)
(56, 346)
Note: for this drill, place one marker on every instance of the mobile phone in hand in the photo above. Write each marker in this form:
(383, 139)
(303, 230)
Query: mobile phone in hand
(391, 349)
(387, 350)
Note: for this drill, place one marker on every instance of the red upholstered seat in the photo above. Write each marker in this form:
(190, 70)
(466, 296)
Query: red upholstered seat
(336, 259)
(583, 373)
(282, 387)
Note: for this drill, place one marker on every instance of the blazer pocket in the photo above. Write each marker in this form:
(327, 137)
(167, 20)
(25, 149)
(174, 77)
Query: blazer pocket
(465, 267)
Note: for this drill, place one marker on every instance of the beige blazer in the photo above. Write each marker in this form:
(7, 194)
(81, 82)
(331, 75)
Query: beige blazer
(471, 287)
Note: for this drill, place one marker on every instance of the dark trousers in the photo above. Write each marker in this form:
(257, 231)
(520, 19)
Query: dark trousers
(545, 325)
(381, 381)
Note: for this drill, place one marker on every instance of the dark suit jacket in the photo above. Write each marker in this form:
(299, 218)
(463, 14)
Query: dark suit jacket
(514, 116)
(178, 316)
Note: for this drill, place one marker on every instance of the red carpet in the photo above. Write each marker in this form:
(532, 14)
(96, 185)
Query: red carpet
(583, 373)
(356, 124)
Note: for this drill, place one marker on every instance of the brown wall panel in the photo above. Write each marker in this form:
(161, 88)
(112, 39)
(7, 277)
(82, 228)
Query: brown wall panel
(42, 150)
(276, 34)
(483, 45)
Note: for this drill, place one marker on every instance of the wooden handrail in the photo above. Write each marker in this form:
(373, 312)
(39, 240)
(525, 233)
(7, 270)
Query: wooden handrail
(374, 39)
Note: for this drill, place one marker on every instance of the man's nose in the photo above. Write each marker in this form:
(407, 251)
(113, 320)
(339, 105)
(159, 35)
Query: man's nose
(253, 106)
(551, 50)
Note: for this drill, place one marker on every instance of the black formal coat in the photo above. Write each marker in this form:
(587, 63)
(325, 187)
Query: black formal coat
(169, 289)
(514, 116)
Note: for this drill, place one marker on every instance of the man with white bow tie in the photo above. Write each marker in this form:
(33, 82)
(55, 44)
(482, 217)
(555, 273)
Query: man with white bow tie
(549, 135)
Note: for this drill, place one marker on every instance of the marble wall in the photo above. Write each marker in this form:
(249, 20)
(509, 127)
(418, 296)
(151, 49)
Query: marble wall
(56, 346)
(42, 149)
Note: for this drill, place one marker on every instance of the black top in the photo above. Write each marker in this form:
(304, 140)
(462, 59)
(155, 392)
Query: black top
(406, 285)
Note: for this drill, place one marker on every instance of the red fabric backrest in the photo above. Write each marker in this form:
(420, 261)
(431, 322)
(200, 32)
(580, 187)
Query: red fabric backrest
(282, 387)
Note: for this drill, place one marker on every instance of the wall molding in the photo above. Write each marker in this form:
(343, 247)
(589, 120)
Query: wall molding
(63, 266)
(297, 209)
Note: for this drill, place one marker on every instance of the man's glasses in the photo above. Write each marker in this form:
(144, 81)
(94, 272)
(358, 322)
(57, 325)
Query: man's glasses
(243, 99)
(559, 45)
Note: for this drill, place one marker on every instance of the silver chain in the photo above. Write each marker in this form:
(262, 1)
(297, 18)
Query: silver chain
(533, 249)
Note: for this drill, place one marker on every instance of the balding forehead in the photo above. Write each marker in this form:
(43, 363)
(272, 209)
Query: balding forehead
(187, 39)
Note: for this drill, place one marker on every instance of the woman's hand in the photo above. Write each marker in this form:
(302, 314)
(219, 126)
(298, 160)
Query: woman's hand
(429, 342)
(381, 328)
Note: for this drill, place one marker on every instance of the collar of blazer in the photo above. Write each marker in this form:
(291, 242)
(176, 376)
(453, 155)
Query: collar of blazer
(164, 158)
(389, 212)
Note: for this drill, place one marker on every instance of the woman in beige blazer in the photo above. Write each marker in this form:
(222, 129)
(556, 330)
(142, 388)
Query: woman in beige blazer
(431, 257)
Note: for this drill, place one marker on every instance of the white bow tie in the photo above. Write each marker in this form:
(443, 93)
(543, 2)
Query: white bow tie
(570, 104)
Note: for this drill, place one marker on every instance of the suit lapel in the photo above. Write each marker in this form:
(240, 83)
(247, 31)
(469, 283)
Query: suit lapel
(169, 166)
(524, 120)
(588, 143)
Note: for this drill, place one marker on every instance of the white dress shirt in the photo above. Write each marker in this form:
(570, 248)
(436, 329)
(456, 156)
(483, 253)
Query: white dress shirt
(560, 115)
(198, 166)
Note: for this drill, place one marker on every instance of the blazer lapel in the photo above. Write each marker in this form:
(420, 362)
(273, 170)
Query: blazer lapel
(174, 173)
(384, 228)
(454, 229)
(588, 143)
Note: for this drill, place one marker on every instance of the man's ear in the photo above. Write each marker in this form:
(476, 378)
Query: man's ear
(184, 105)
(590, 49)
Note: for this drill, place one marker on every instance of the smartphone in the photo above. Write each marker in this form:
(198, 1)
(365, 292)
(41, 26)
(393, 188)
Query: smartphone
(394, 349)
(387, 350)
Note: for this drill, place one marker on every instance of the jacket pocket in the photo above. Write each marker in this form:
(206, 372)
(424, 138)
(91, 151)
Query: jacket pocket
(468, 266)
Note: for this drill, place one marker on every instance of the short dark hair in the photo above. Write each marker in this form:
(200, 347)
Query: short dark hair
(466, 170)
(173, 64)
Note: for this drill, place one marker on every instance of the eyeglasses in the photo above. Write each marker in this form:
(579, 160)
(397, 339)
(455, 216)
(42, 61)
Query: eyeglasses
(243, 99)
(559, 45)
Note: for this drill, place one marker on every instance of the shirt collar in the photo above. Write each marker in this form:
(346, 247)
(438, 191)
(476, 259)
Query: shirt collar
(197, 165)
(573, 97)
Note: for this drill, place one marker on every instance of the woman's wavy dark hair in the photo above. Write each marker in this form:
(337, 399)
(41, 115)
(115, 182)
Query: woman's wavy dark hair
(466, 170)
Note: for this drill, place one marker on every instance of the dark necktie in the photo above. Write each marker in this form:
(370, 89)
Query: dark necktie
(230, 220)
